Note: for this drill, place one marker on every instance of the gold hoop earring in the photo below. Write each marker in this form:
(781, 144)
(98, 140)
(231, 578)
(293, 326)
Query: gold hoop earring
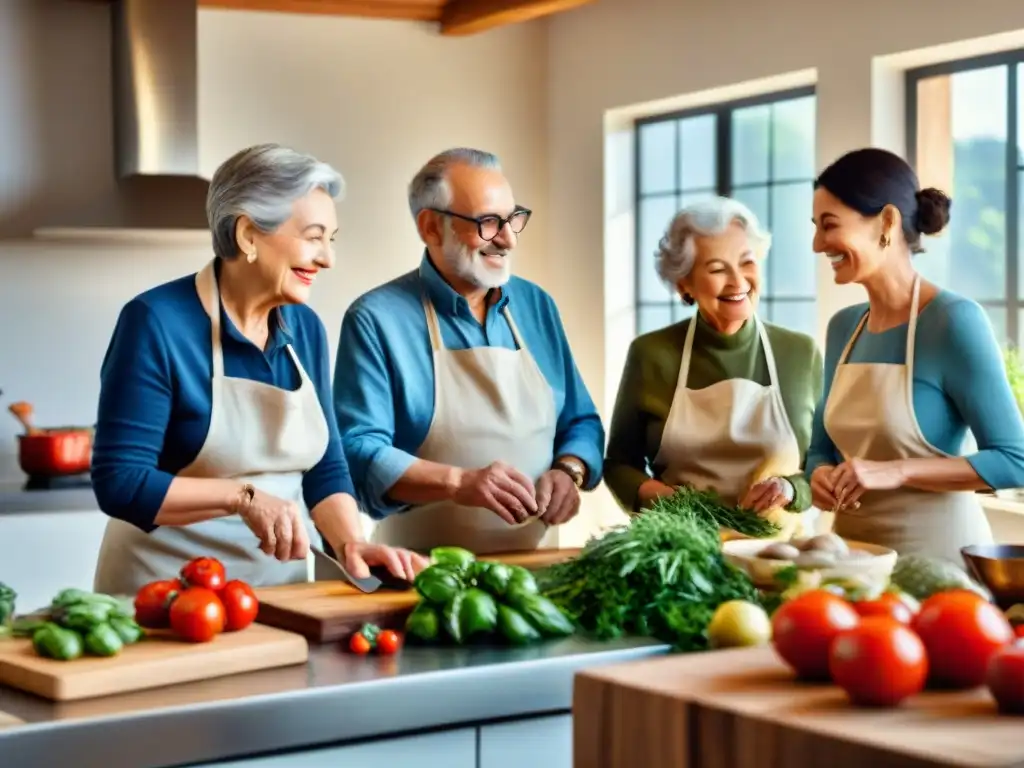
(884, 241)
(251, 258)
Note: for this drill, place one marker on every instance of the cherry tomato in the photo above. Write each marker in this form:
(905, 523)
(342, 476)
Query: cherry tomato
(804, 627)
(886, 604)
(388, 642)
(240, 605)
(197, 615)
(961, 631)
(153, 603)
(204, 572)
(1005, 679)
(879, 663)
(359, 644)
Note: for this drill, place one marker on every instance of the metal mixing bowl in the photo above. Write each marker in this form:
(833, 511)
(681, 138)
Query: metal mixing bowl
(1000, 567)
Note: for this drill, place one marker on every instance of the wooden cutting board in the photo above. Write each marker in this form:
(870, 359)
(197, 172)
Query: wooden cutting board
(743, 709)
(326, 611)
(152, 663)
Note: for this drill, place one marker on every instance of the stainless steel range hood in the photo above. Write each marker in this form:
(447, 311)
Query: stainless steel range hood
(161, 192)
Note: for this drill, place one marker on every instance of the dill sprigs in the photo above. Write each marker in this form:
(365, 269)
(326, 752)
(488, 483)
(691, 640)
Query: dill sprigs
(708, 505)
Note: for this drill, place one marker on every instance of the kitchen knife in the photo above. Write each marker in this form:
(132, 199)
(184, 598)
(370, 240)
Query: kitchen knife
(368, 585)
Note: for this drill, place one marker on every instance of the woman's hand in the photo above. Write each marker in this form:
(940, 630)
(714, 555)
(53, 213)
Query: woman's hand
(358, 556)
(278, 524)
(651, 490)
(768, 494)
(852, 478)
(823, 489)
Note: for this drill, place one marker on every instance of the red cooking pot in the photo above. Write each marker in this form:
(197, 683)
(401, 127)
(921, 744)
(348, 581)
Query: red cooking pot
(55, 452)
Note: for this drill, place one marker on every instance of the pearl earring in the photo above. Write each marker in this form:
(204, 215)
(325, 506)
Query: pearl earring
(251, 257)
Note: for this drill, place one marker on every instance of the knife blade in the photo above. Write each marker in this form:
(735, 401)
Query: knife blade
(368, 585)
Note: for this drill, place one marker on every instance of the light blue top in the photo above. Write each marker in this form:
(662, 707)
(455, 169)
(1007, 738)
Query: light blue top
(384, 376)
(959, 383)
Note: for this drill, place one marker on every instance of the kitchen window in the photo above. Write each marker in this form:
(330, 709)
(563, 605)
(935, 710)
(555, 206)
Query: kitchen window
(964, 136)
(760, 151)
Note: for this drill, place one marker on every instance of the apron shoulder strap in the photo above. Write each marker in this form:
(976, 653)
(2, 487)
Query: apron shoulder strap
(853, 338)
(516, 336)
(209, 297)
(433, 324)
(769, 355)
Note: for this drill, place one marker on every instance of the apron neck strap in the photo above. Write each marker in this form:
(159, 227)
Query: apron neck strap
(915, 303)
(769, 356)
(209, 297)
(434, 325)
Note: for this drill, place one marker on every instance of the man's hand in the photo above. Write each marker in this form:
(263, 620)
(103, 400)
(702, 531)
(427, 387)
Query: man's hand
(558, 498)
(358, 556)
(503, 489)
(768, 494)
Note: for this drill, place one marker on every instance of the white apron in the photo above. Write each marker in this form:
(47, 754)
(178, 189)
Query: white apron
(724, 437)
(870, 415)
(259, 434)
(490, 404)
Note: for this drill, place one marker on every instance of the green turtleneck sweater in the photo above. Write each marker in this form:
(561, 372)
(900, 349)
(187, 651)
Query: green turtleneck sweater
(649, 383)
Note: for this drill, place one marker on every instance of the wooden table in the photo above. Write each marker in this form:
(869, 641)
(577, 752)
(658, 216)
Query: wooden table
(743, 709)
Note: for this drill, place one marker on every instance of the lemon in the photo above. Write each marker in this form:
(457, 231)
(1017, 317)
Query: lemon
(739, 623)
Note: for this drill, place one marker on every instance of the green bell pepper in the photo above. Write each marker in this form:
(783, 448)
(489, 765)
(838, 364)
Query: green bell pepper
(103, 640)
(494, 577)
(54, 642)
(129, 632)
(438, 584)
(543, 614)
(456, 557)
(423, 623)
(514, 627)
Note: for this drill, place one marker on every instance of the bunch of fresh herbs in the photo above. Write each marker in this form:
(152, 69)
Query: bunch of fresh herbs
(661, 576)
(711, 507)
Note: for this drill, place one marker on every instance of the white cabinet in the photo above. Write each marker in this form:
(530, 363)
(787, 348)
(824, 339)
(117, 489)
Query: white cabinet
(42, 553)
(449, 749)
(538, 741)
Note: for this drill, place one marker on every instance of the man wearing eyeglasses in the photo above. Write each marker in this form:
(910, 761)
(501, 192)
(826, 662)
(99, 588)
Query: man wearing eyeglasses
(464, 418)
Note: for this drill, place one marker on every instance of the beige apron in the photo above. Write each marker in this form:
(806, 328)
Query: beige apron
(259, 434)
(490, 404)
(870, 415)
(725, 436)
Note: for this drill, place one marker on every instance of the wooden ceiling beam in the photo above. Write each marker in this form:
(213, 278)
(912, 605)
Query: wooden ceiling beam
(409, 10)
(468, 17)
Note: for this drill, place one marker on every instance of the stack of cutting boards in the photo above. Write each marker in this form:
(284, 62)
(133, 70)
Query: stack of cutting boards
(326, 611)
(154, 662)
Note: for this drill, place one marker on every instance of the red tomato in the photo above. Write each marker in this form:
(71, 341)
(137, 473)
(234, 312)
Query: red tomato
(197, 615)
(153, 603)
(887, 604)
(206, 572)
(359, 644)
(804, 627)
(1005, 679)
(879, 663)
(1018, 630)
(388, 642)
(240, 605)
(961, 631)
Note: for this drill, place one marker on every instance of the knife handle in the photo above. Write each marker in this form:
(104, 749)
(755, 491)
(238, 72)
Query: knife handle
(387, 579)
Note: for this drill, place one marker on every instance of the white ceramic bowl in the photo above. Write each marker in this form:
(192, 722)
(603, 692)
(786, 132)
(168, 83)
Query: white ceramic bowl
(743, 554)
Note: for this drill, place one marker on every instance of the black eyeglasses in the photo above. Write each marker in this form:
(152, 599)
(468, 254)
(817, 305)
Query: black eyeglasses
(490, 225)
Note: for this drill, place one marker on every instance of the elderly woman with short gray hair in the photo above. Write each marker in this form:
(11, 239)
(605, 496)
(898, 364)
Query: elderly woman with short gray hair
(722, 400)
(215, 434)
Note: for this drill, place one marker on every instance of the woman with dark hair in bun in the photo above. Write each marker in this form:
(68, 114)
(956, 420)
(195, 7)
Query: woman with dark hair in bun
(906, 374)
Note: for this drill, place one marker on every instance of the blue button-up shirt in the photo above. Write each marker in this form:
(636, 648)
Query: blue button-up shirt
(154, 409)
(384, 375)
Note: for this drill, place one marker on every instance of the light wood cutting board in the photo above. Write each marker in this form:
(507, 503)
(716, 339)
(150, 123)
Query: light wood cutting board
(151, 663)
(743, 709)
(326, 611)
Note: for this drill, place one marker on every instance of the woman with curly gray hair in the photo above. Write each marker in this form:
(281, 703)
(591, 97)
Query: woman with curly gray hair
(722, 400)
(215, 434)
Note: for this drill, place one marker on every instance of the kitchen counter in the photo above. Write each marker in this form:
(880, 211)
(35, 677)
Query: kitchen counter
(14, 499)
(335, 698)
